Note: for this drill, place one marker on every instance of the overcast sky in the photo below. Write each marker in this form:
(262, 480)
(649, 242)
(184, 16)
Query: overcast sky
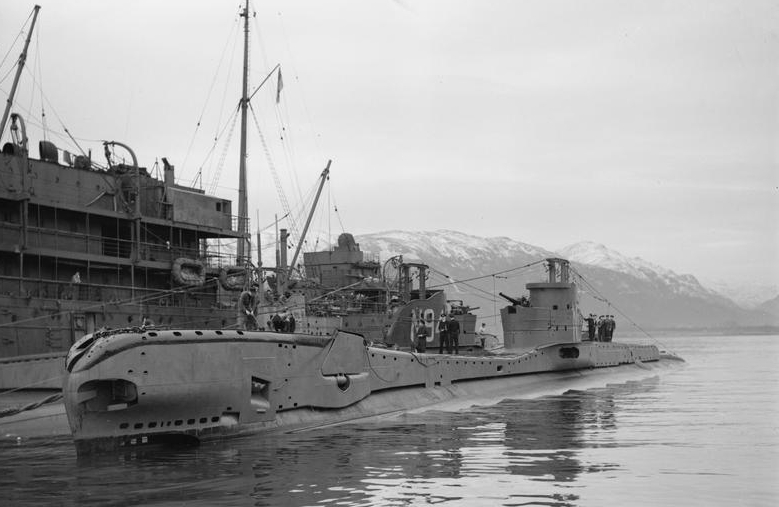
(649, 126)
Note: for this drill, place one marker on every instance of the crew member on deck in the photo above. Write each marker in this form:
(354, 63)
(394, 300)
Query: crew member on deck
(453, 328)
(277, 322)
(443, 334)
(246, 302)
(421, 334)
(482, 334)
(601, 328)
(75, 280)
(591, 327)
(291, 323)
(610, 325)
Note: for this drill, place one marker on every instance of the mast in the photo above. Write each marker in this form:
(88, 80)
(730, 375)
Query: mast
(259, 244)
(243, 217)
(20, 66)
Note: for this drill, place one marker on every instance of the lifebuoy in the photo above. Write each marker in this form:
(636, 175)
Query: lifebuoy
(188, 272)
(233, 278)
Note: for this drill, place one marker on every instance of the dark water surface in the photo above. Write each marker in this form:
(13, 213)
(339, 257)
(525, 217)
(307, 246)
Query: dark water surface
(704, 434)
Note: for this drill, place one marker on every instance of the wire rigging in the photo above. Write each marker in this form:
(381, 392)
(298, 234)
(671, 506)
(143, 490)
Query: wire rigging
(215, 178)
(40, 88)
(218, 170)
(274, 173)
(208, 95)
(297, 81)
(492, 274)
(30, 115)
(603, 298)
(21, 34)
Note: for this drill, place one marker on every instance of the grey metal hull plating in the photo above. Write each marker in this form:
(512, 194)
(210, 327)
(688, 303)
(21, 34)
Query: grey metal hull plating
(144, 388)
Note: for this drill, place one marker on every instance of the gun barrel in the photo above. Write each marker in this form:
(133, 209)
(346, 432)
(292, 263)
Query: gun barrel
(509, 299)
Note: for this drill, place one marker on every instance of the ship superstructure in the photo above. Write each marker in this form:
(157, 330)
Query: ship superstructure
(89, 245)
(84, 248)
(550, 314)
(345, 289)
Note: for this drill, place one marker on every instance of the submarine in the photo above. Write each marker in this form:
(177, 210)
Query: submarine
(131, 388)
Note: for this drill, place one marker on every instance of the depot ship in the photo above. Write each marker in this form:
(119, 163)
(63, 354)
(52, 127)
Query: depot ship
(86, 249)
(86, 245)
(90, 245)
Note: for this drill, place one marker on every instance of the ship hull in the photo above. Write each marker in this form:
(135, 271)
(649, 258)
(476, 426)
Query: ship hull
(32, 349)
(138, 389)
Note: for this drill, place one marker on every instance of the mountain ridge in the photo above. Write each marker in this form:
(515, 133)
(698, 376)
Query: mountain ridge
(610, 282)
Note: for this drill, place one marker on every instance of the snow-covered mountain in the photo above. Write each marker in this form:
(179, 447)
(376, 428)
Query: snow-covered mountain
(771, 307)
(648, 295)
(746, 295)
(461, 251)
(594, 254)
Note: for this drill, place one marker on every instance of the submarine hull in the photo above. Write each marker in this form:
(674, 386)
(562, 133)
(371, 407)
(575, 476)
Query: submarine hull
(173, 386)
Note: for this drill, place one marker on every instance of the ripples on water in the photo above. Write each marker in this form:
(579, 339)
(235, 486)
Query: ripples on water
(706, 434)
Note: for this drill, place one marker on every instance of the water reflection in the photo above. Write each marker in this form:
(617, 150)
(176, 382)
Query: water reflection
(518, 452)
(708, 430)
(439, 457)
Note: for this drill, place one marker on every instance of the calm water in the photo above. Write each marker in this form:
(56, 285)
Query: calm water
(705, 434)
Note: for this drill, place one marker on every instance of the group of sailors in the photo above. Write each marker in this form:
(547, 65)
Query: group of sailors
(448, 335)
(280, 322)
(600, 329)
(283, 322)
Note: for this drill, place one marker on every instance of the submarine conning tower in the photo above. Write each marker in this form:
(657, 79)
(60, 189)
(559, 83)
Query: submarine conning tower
(549, 315)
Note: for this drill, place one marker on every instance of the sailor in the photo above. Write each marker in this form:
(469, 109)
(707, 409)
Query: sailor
(601, 328)
(385, 331)
(246, 303)
(291, 323)
(443, 334)
(278, 322)
(421, 335)
(591, 327)
(610, 325)
(75, 280)
(482, 334)
(413, 339)
(453, 328)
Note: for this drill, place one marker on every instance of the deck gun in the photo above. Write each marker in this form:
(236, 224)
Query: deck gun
(510, 299)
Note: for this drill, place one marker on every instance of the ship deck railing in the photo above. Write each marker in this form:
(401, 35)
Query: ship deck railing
(61, 243)
(106, 293)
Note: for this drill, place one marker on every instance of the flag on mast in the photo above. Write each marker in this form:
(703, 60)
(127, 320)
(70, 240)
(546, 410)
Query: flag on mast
(279, 86)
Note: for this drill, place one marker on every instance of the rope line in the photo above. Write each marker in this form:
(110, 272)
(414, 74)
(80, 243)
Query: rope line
(489, 275)
(208, 95)
(30, 406)
(279, 189)
(603, 298)
(127, 302)
(58, 377)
